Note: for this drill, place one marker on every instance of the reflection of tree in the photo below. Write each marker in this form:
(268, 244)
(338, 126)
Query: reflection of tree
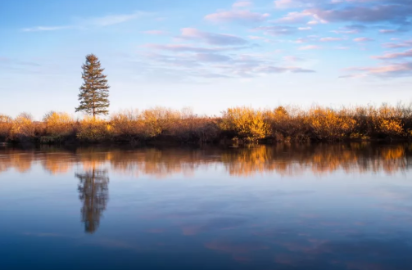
(94, 194)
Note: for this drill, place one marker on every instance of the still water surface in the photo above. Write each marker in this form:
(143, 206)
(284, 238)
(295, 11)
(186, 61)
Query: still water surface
(282, 207)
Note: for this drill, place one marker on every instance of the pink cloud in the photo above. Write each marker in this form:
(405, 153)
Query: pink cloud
(391, 70)
(243, 16)
(211, 38)
(362, 39)
(404, 44)
(242, 4)
(405, 54)
(309, 47)
(330, 39)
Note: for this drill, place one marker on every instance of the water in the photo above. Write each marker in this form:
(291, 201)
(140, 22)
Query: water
(282, 207)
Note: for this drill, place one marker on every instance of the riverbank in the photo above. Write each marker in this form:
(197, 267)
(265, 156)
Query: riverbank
(236, 126)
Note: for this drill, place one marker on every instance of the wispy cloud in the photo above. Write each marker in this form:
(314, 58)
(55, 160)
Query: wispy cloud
(112, 19)
(211, 38)
(363, 39)
(155, 32)
(90, 22)
(396, 12)
(277, 30)
(330, 39)
(403, 44)
(285, 4)
(385, 71)
(350, 29)
(45, 28)
(309, 47)
(182, 48)
(400, 55)
(240, 16)
(202, 62)
(242, 4)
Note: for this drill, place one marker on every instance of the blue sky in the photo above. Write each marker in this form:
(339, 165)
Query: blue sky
(207, 55)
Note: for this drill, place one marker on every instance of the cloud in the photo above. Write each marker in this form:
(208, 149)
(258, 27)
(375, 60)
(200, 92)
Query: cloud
(240, 16)
(277, 30)
(272, 69)
(45, 28)
(350, 29)
(396, 12)
(181, 48)
(295, 17)
(388, 31)
(11, 62)
(155, 32)
(113, 19)
(199, 62)
(405, 54)
(404, 44)
(96, 22)
(242, 4)
(330, 39)
(363, 39)
(306, 39)
(309, 47)
(212, 57)
(285, 4)
(385, 71)
(211, 38)
(370, 14)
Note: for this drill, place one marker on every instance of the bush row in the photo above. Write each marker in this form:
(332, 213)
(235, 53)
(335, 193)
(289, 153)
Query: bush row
(240, 124)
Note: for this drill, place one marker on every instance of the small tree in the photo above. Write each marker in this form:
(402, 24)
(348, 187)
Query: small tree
(94, 92)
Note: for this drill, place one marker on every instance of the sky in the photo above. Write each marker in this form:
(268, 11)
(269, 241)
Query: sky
(206, 55)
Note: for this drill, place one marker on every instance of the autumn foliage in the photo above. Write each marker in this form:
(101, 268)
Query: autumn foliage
(235, 125)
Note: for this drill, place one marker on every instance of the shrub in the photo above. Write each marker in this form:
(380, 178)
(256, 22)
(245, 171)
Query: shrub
(58, 124)
(127, 124)
(246, 122)
(159, 121)
(328, 124)
(23, 127)
(6, 124)
(94, 129)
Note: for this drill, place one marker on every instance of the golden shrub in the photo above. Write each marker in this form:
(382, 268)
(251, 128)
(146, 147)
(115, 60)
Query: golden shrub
(127, 123)
(159, 120)
(94, 129)
(6, 124)
(246, 122)
(328, 124)
(390, 127)
(58, 123)
(23, 126)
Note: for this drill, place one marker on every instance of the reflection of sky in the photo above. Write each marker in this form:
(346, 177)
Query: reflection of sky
(222, 221)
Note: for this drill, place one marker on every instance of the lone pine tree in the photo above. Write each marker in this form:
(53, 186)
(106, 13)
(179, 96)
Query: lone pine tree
(94, 92)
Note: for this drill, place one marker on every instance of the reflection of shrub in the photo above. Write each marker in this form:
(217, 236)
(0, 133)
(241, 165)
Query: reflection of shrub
(94, 129)
(246, 122)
